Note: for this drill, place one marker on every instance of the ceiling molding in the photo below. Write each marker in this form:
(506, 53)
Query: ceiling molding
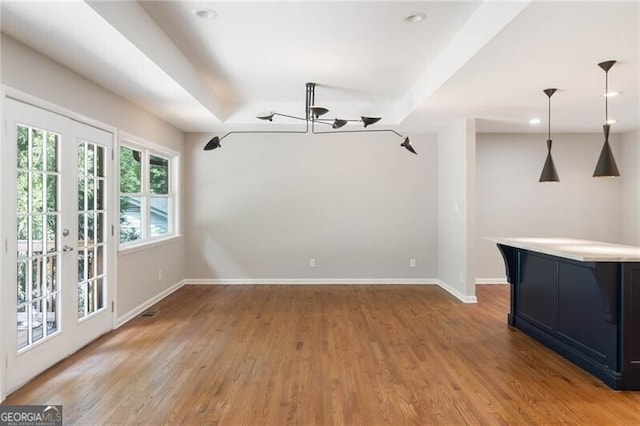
(133, 22)
(485, 23)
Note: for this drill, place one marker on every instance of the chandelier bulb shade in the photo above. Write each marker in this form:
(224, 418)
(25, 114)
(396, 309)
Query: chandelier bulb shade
(312, 118)
(337, 123)
(318, 111)
(370, 120)
(549, 172)
(266, 116)
(407, 145)
(606, 166)
(213, 144)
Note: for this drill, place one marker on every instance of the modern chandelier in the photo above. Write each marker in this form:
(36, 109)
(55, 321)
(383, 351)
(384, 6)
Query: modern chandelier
(313, 114)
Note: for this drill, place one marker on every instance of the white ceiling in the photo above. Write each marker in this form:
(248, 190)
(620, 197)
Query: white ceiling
(489, 60)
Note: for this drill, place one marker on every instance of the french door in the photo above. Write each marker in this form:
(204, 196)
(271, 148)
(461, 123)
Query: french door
(58, 281)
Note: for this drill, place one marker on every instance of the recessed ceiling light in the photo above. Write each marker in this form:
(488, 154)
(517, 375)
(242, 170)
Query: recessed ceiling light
(612, 94)
(535, 121)
(416, 17)
(611, 121)
(205, 13)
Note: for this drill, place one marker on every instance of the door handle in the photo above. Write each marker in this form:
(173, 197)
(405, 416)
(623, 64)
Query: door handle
(67, 248)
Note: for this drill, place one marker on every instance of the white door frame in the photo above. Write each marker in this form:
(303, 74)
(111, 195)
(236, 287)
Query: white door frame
(112, 213)
(3, 139)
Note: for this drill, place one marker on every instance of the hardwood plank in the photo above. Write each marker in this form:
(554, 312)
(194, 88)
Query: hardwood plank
(325, 355)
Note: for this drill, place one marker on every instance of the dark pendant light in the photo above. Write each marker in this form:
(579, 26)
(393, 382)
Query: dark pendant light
(370, 120)
(549, 172)
(606, 166)
(213, 144)
(337, 123)
(318, 111)
(266, 116)
(407, 144)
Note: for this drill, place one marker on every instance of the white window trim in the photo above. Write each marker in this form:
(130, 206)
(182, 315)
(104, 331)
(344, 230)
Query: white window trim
(151, 148)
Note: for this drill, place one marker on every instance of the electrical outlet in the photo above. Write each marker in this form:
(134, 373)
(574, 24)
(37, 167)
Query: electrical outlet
(159, 274)
(412, 263)
(312, 262)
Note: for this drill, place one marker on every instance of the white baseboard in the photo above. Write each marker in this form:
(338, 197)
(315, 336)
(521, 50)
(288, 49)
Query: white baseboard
(457, 294)
(330, 281)
(310, 281)
(143, 306)
(501, 280)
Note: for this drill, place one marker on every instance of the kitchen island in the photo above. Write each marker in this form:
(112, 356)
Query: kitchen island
(581, 299)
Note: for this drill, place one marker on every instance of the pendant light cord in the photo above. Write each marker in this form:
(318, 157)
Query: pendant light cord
(549, 120)
(606, 97)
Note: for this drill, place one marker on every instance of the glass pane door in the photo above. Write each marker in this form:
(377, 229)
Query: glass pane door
(37, 217)
(91, 229)
(56, 202)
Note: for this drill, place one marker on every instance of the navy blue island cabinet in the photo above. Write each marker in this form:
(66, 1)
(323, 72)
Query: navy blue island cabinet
(581, 299)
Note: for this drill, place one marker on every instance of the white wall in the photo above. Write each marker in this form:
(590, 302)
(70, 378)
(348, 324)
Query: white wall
(262, 205)
(2, 260)
(512, 203)
(629, 164)
(30, 72)
(456, 205)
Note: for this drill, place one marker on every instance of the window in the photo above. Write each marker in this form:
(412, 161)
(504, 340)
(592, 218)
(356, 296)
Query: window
(147, 193)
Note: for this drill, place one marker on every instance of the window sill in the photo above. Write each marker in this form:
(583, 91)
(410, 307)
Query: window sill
(147, 245)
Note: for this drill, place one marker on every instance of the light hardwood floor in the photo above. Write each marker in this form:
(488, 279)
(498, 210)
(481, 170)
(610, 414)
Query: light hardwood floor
(325, 355)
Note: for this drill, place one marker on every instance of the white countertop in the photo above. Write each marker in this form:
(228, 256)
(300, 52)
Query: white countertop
(582, 250)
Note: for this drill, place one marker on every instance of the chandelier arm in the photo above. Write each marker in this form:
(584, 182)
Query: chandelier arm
(266, 131)
(317, 120)
(290, 116)
(306, 130)
(323, 122)
(357, 131)
(344, 119)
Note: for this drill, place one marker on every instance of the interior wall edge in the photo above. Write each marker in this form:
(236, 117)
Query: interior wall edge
(148, 303)
(457, 293)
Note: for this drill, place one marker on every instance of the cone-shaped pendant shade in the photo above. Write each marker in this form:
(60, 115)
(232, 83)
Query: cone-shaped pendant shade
(337, 123)
(317, 111)
(606, 166)
(370, 120)
(212, 144)
(407, 144)
(268, 115)
(549, 172)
